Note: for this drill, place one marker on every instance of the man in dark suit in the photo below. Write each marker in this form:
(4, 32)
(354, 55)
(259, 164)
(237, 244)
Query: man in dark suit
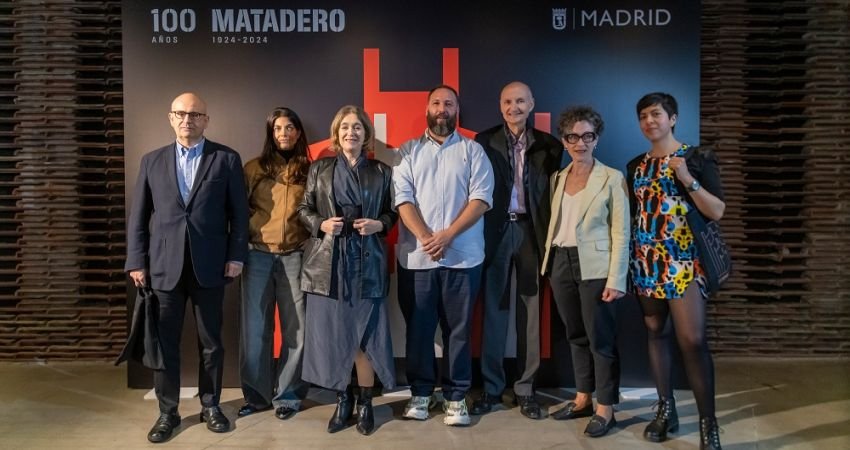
(514, 235)
(187, 236)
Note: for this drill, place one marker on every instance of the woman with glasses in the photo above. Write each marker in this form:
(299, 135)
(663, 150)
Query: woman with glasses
(587, 262)
(348, 209)
(271, 275)
(664, 183)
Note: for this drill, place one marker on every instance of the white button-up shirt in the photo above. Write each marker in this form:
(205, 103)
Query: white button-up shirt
(440, 180)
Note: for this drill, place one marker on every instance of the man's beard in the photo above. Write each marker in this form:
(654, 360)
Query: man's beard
(441, 129)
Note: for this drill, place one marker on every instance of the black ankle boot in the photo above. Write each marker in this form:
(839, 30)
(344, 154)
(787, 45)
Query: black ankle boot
(343, 411)
(709, 433)
(365, 416)
(666, 421)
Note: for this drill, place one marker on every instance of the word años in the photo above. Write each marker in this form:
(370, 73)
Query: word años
(164, 39)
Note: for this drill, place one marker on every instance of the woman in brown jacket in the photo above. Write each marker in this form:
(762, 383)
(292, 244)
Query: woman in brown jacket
(271, 275)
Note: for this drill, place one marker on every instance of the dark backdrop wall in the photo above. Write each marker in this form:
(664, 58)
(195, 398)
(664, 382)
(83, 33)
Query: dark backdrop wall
(774, 99)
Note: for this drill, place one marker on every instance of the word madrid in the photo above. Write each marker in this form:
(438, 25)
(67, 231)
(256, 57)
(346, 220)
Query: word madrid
(610, 18)
(277, 20)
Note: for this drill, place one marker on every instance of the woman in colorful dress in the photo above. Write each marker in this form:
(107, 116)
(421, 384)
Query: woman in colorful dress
(347, 208)
(665, 268)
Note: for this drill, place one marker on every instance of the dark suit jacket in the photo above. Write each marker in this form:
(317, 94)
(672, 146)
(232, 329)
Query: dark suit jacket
(542, 159)
(215, 217)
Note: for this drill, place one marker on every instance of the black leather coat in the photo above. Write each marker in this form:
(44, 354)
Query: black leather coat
(318, 204)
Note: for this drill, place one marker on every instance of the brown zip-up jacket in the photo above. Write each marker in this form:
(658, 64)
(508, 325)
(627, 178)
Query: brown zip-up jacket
(274, 226)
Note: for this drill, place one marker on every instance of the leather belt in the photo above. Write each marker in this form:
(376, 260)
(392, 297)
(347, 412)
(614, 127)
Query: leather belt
(513, 217)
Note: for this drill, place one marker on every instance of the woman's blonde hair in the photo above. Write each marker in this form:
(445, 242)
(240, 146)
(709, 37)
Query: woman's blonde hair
(368, 139)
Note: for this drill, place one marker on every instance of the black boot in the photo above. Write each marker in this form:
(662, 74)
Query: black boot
(709, 433)
(365, 416)
(343, 411)
(666, 421)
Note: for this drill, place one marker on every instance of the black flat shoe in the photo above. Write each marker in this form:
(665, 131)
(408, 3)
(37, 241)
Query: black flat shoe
(163, 428)
(285, 412)
(216, 421)
(570, 412)
(484, 404)
(528, 406)
(247, 409)
(598, 426)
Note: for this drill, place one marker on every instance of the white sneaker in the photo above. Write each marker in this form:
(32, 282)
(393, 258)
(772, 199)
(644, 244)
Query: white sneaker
(417, 408)
(456, 413)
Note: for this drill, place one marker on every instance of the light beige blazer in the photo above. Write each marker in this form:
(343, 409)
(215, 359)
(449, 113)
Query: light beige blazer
(602, 233)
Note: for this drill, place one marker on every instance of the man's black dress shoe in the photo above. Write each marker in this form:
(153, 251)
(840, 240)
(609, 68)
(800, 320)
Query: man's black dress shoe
(215, 419)
(598, 426)
(528, 406)
(284, 412)
(484, 404)
(571, 412)
(163, 428)
(247, 409)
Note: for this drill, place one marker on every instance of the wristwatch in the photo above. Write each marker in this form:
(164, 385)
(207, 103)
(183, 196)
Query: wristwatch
(693, 187)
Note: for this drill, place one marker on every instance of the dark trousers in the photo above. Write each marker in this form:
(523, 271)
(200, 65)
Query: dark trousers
(515, 249)
(445, 296)
(591, 327)
(207, 308)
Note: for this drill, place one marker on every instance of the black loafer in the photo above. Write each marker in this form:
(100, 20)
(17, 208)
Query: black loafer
(284, 412)
(528, 406)
(570, 412)
(598, 426)
(216, 421)
(163, 428)
(247, 409)
(484, 404)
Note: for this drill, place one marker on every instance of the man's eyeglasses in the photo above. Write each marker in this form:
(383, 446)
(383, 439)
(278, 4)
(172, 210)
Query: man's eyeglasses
(587, 138)
(192, 115)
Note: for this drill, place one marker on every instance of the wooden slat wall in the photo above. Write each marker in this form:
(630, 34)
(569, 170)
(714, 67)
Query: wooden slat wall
(775, 102)
(62, 293)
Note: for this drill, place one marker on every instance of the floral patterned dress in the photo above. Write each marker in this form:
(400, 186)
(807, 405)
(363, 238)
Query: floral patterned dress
(664, 259)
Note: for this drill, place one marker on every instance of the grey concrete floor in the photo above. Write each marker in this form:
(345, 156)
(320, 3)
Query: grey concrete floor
(762, 404)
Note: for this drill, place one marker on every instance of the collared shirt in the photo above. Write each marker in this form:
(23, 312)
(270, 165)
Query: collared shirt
(440, 180)
(517, 146)
(188, 160)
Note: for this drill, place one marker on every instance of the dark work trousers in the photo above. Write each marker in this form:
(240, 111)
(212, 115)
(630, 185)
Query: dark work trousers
(207, 308)
(591, 327)
(445, 296)
(515, 249)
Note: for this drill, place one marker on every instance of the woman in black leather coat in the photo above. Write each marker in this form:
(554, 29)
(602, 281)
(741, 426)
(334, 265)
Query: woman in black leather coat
(347, 208)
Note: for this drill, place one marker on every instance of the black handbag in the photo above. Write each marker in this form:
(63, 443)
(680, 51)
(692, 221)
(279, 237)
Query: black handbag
(143, 340)
(713, 252)
(714, 255)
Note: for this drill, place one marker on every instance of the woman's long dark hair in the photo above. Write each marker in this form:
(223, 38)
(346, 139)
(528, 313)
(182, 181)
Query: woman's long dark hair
(271, 166)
